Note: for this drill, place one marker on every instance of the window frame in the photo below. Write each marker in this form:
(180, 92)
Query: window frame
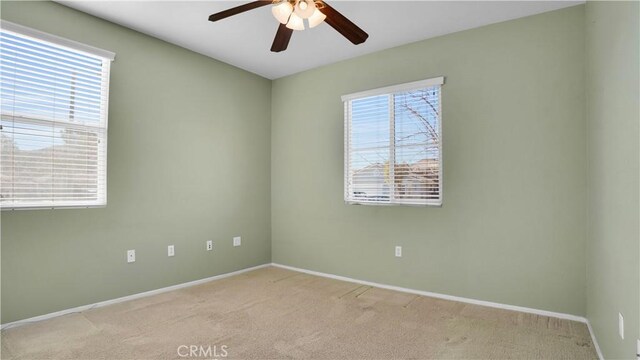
(391, 91)
(106, 57)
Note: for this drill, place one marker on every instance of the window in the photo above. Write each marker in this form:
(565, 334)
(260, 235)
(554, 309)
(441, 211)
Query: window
(54, 121)
(393, 147)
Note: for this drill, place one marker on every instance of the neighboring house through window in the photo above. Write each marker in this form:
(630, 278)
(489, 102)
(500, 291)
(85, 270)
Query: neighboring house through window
(393, 145)
(54, 100)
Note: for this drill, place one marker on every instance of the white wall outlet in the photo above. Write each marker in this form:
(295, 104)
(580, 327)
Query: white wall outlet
(209, 245)
(237, 241)
(621, 325)
(171, 250)
(398, 251)
(131, 256)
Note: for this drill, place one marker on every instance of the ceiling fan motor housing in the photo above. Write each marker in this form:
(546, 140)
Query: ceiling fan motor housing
(319, 3)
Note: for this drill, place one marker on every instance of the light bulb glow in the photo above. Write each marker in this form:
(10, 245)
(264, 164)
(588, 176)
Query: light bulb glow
(282, 11)
(316, 19)
(305, 8)
(295, 22)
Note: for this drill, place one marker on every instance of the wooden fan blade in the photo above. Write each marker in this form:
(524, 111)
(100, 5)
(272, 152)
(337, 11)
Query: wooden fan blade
(343, 25)
(239, 9)
(281, 41)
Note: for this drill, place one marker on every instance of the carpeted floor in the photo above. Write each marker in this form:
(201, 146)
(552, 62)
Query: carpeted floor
(273, 313)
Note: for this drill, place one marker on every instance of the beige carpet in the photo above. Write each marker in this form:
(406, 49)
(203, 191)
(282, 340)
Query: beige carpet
(273, 313)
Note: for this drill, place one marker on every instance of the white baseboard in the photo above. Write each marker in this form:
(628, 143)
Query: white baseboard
(439, 296)
(127, 298)
(595, 341)
(455, 298)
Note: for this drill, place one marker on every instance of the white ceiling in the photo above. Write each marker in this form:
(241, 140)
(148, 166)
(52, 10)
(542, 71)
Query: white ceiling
(244, 40)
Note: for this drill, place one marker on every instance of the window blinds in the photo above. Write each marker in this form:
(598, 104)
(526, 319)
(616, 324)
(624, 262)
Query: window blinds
(393, 145)
(54, 124)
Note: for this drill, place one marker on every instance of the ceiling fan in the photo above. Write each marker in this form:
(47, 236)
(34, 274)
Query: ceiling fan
(291, 15)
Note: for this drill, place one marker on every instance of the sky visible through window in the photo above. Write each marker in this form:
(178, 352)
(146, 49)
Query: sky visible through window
(394, 148)
(416, 128)
(41, 81)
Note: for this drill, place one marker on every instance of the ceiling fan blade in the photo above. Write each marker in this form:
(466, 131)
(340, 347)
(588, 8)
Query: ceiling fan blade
(239, 9)
(281, 41)
(343, 25)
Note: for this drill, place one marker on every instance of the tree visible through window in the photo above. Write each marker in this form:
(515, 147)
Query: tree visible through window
(393, 145)
(54, 124)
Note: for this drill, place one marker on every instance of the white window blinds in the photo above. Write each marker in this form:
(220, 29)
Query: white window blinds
(54, 124)
(393, 145)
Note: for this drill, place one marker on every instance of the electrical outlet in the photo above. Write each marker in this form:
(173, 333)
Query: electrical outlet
(237, 241)
(621, 325)
(131, 256)
(398, 251)
(171, 250)
(209, 245)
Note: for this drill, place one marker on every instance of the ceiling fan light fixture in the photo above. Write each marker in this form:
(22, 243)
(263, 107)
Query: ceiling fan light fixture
(316, 19)
(295, 22)
(288, 13)
(282, 11)
(305, 8)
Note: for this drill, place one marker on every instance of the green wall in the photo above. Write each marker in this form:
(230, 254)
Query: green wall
(613, 118)
(188, 161)
(513, 224)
